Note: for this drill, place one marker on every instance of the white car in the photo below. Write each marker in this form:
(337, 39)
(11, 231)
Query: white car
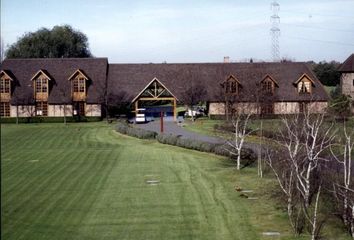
(140, 115)
(195, 113)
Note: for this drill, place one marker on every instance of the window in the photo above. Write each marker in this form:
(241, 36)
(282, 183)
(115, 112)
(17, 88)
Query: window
(5, 85)
(231, 86)
(304, 87)
(41, 109)
(79, 85)
(5, 109)
(303, 106)
(79, 108)
(267, 86)
(41, 85)
(267, 108)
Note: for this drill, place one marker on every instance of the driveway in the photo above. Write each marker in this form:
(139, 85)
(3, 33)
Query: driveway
(173, 128)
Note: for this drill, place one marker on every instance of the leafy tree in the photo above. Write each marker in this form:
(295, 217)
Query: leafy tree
(340, 106)
(60, 41)
(327, 72)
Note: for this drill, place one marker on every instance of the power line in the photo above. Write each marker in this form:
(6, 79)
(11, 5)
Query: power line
(322, 41)
(319, 28)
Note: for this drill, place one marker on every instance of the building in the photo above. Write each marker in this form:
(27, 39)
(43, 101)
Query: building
(347, 76)
(54, 87)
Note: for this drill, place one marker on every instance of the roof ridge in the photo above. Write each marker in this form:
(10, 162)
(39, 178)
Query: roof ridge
(36, 59)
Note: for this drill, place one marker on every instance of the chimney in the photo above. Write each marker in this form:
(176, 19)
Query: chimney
(226, 59)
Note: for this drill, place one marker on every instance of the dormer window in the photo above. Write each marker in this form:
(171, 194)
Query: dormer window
(78, 85)
(268, 85)
(304, 87)
(5, 85)
(5, 82)
(304, 84)
(41, 85)
(231, 85)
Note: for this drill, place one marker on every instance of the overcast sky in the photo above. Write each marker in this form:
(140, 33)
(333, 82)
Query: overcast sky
(190, 30)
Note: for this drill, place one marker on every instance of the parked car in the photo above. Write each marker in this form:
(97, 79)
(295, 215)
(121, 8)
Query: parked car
(199, 112)
(140, 115)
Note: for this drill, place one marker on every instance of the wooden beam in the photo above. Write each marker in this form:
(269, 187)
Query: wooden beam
(136, 106)
(154, 99)
(174, 110)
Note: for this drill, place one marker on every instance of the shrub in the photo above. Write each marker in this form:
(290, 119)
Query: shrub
(167, 139)
(38, 119)
(135, 132)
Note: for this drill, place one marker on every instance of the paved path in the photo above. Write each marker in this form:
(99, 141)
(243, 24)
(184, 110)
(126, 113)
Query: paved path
(173, 128)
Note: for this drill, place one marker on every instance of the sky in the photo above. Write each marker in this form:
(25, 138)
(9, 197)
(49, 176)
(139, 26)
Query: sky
(176, 31)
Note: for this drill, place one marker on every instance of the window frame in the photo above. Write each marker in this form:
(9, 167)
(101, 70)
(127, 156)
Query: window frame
(304, 87)
(268, 86)
(5, 109)
(42, 108)
(79, 85)
(5, 85)
(41, 85)
(232, 86)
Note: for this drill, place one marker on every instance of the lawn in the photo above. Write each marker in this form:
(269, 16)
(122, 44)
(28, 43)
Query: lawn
(85, 181)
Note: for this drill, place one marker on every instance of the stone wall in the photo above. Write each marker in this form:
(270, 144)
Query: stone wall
(93, 110)
(23, 111)
(346, 82)
(58, 110)
(279, 108)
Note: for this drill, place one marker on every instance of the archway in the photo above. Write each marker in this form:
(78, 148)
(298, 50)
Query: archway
(156, 92)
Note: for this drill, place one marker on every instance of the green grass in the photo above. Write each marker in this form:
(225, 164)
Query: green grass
(85, 181)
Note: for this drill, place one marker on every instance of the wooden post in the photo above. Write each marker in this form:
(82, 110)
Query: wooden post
(161, 122)
(174, 110)
(136, 107)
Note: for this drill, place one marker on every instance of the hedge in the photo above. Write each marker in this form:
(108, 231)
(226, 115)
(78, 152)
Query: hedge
(219, 149)
(135, 132)
(49, 119)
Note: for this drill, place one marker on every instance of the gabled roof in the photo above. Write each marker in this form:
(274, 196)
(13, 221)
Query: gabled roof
(232, 77)
(302, 77)
(59, 70)
(78, 71)
(148, 85)
(40, 72)
(130, 79)
(7, 74)
(267, 76)
(348, 65)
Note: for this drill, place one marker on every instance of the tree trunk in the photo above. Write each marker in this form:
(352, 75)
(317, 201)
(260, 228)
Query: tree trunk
(290, 213)
(352, 222)
(64, 114)
(16, 113)
(260, 167)
(314, 223)
(238, 159)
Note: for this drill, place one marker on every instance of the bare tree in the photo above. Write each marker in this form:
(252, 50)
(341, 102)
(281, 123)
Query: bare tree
(194, 93)
(304, 140)
(240, 123)
(343, 187)
(64, 96)
(317, 138)
(285, 175)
